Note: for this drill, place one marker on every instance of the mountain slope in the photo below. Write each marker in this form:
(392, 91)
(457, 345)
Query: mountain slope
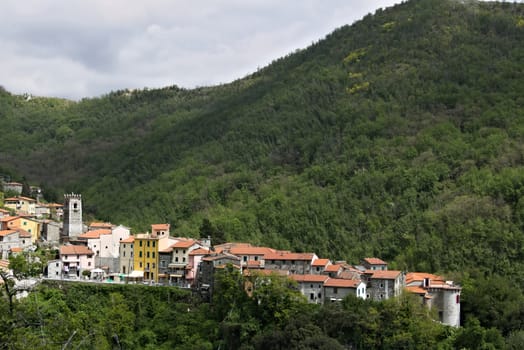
(399, 136)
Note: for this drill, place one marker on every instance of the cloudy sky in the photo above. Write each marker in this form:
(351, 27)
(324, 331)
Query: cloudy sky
(79, 48)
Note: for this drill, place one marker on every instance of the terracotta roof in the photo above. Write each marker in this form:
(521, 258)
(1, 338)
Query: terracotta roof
(412, 277)
(129, 239)
(160, 227)
(246, 250)
(289, 256)
(23, 233)
(75, 250)
(309, 278)
(11, 199)
(221, 256)
(16, 250)
(4, 233)
(199, 251)
(384, 274)
(416, 290)
(333, 268)
(101, 224)
(254, 263)
(4, 264)
(9, 218)
(337, 282)
(4, 211)
(321, 262)
(375, 261)
(256, 272)
(93, 234)
(183, 244)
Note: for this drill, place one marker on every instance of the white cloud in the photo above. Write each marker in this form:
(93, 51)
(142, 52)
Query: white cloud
(78, 48)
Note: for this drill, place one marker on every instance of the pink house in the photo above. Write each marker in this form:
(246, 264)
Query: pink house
(76, 259)
(195, 257)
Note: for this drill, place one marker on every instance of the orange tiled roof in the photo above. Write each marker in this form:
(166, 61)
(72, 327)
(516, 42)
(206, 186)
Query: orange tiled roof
(23, 233)
(160, 227)
(375, 261)
(247, 250)
(384, 274)
(4, 264)
(129, 239)
(16, 250)
(309, 278)
(420, 276)
(9, 218)
(93, 234)
(75, 250)
(12, 199)
(337, 282)
(289, 256)
(4, 211)
(101, 224)
(4, 233)
(416, 290)
(321, 262)
(199, 251)
(256, 272)
(333, 268)
(183, 244)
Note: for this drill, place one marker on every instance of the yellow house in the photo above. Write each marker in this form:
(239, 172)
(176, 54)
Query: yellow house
(145, 252)
(30, 225)
(27, 224)
(21, 205)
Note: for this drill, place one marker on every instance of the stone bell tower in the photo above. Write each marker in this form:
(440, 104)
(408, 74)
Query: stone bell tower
(73, 225)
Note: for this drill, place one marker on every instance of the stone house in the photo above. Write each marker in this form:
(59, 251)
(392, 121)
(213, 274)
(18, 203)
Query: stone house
(374, 264)
(8, 239)
(437, 293)
(311, 286)
(295, 263)
(336, 289)
(320, 265)
(383, 284)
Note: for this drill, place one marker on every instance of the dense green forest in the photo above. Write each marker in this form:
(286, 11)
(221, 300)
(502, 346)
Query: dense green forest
(66, 315)
(400, 136)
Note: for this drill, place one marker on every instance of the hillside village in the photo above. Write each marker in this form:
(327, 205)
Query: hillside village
(105, 252)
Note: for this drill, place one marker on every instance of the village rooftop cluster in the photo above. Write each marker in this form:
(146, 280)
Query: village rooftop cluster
(105, 252)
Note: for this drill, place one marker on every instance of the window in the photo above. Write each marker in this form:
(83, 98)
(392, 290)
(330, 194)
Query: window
(140, 265)
(148, 243)
(335, 290)
(183, 251)
(124, 253)
(176, 251)
(56, 265)
(176, 259)
(154, 244)
(89, 263)
(147, 255)
(140, 243)
(78, 256)
(312, 296)
(382, 285)
(154, 255)
(131, 246)
(140, 254)
(457, 299)
(311, 285)
(244, 258)
(183, 259)
(147, 265)
(256, 258)
(153, 265)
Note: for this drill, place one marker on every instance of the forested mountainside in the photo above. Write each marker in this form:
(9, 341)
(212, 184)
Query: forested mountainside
(400, 136)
